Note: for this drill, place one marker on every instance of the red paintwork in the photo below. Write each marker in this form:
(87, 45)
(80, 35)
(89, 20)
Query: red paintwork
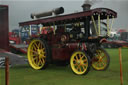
(103, 40)
(14, 37)
(4, 40)
(64, 53)
(61, 53)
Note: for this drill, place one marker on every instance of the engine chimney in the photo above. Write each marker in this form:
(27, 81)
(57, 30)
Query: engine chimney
(87, 5)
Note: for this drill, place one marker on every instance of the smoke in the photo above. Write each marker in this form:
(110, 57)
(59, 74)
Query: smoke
(92, 2)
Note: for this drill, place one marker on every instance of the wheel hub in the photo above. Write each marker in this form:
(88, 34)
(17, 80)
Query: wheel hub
(40, 52)
(80, 62)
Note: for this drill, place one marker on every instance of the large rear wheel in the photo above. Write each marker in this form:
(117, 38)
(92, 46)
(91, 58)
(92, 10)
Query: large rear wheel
(80, 63)
(101, 60)
(37, 54)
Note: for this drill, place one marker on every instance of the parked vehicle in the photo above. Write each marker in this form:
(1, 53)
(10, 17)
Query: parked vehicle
(124, 36)
(14, 37)
(19, 38)
(77, 44)
(119, 37)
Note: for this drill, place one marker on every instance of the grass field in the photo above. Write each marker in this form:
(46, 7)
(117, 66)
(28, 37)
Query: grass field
(56, 75)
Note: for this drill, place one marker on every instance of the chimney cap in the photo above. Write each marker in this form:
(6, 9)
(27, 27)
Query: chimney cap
(86, 7)
(89, 5)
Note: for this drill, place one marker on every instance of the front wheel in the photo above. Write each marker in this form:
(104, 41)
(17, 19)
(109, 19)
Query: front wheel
(80, 63)
(101, 60)
(37, 54)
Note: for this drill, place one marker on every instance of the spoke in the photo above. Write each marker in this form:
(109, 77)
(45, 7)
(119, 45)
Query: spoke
(102, 54)
(96, 64)
(39, 44)
(41, 62)
(34, 55)
(84, 64)
(99, 52)
(43, 59)
(43, 56)
(34, 51)
(80, 68)
(74, 60)
(77, 67)
(43, 49)
(36, 45)
(83, 67)
(75, 64)
(97, 56)
(103, 57)
(35, 58)
(100, 65)
(43, 52)
(77, 58)
(36, 62)
(103, 63)
(85, 60)
(82, 57)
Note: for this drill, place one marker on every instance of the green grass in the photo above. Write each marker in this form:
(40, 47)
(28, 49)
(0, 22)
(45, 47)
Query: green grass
(56, 75)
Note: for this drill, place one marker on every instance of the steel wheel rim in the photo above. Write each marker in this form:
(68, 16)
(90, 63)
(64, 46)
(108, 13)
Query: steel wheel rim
(36, 54)
(79, 63)
(100, 61)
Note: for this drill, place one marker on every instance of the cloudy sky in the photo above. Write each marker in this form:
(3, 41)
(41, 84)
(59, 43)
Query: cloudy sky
(20, 10)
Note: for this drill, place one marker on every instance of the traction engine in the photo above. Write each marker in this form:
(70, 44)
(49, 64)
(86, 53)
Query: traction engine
(73, 39)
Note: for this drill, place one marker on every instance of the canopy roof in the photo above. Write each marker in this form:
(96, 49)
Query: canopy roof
(74, 17)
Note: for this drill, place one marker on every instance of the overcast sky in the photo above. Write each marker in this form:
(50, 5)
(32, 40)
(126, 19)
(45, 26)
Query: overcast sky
(20, 10)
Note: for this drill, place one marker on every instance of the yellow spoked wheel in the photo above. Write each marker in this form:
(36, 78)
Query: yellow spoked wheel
(101, 60)
(37, 54)
(80, 63)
